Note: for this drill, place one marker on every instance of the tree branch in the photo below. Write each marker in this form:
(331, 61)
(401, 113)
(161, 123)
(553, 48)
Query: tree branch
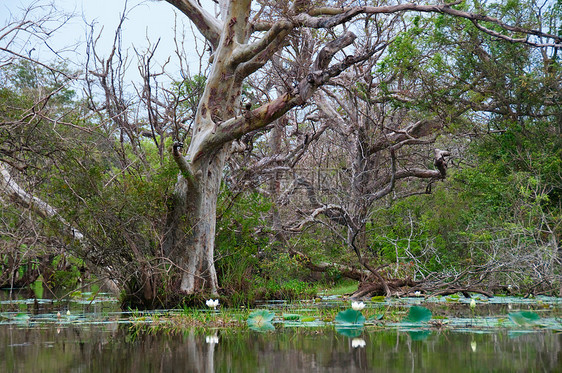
(10, 188)
(339, 16)
(208, 25)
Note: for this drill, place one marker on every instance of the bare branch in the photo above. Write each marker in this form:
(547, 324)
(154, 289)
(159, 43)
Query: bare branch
(208, 25)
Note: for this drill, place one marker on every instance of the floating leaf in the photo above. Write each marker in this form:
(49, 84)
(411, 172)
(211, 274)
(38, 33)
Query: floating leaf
(376, 317)
(418, 314)
(21, 317)
(291, 316)
(260, 320)
(266, 326)
(524, 317)
(378, 298)
(349, 331)
(350, 316)
(308, 319)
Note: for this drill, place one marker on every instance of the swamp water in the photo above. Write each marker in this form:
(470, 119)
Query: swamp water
(96, 337)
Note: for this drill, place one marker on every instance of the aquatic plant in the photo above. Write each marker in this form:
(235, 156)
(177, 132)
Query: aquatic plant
(212, 303)
(357, 306)
(524, 318)
(418, 314)
(260, 320)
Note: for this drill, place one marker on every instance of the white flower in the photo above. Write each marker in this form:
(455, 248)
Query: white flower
(212, 339)
(472, 304)
(212, 303)
(357, 306)
(473, 346)
(358, 342)
(68, 313)
(417, 294)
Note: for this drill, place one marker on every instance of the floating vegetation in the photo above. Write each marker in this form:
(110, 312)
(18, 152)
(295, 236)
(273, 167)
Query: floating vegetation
(418, 314)
(260, 320)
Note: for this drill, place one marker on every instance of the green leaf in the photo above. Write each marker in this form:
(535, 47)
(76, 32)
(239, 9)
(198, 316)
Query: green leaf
(350, 316)
(308, 319)
(376, 317)
(266, 326)
(22, 317)
(37, 288)
(418, 314)
(260, 320)
(524, 317)
(291, 316)
(378, 298)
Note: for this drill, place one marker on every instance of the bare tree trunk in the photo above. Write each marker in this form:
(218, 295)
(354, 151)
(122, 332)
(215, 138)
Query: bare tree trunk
(191, 227)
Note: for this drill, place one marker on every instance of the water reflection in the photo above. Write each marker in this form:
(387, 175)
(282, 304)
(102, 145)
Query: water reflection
(120, 348)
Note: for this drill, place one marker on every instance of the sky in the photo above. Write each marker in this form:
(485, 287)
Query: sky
(145, 18)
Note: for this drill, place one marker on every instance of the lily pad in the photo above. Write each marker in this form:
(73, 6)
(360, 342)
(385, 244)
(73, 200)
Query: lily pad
(350, 316)
(524, 318)
(21, 317)
(308, 319)
(260, 320)
(378, 298)
(418, 314)
(376, 317)
(291, 316)
(264, 327)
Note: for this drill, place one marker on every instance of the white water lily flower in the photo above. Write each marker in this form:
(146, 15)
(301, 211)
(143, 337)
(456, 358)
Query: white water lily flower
(473, 346)
(212, 303)
(357, 306)
(68, 313)
(358, 342)
(472, 304)
(417, 294)
(212, 339)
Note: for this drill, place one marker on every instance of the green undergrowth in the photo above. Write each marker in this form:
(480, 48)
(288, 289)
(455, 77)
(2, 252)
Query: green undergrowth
(343, 287)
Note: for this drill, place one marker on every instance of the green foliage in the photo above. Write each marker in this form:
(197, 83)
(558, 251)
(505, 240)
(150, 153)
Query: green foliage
(260, 320)
(524, 318)
(418, 314)
(350, 316)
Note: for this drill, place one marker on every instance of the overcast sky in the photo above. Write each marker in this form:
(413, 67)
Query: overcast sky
(151, 18)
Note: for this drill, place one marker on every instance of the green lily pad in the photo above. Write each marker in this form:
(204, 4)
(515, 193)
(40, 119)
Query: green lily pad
(524, 317)
(378, 298)
(260, 320)
(376, 317)
(291, 316)
(21, 317)
(418, 314)
(308, 319)
(350, 316)
(263, 327)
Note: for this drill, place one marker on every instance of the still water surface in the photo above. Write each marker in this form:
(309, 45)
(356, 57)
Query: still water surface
(118, 348)
(98, 338)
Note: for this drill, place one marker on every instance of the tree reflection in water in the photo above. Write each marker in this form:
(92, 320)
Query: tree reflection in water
(119, 348)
